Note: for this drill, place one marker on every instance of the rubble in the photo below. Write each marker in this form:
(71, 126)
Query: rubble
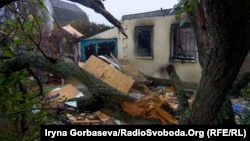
(125, 78)
(241, 109)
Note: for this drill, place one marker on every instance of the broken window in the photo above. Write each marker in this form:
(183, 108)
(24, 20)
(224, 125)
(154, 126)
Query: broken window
(183, 43)
(143, 42)
(98, 47)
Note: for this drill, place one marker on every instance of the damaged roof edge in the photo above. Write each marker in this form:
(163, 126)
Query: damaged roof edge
(162, 12)
(71, 30)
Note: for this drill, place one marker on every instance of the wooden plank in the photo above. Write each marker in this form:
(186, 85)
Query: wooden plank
(106, 120)
(108, 74)
(65, 93)
(80, 64)
(85, 121)
(71, 30)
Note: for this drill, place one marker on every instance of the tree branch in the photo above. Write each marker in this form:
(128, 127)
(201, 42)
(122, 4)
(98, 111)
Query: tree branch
(198, 19)
(101, 97)
(179, 89)
(98, 7)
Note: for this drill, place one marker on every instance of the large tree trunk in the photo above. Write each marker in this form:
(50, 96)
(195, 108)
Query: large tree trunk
(222, 46)
(99, 95)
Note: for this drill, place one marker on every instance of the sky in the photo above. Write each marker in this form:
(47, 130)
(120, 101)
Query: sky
(118, 8)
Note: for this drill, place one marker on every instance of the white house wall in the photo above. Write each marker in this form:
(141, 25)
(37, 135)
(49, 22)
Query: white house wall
(187, 71)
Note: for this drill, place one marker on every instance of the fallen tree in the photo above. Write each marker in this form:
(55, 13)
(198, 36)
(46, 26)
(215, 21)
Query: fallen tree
(221, 53)
(99, 95)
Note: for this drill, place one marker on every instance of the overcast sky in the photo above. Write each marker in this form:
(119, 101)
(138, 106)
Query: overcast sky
(124, 7)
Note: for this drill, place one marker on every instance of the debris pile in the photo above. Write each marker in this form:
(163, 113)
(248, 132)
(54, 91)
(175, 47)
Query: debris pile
(127, 79)
(241, 110)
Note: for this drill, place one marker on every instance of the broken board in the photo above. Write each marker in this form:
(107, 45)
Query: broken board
(65, 93)
(108, 74)
(131, 71)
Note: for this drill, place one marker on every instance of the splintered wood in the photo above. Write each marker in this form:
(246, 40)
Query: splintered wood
(149, 106)
(108, 74)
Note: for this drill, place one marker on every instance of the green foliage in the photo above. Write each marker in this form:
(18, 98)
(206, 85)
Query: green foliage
(183, 6)
(246, 91)
(13, 104)
(17, 100)
(64, 40)
(242, 90)
(240, 86)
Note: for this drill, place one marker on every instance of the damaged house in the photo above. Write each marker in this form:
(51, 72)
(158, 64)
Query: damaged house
(155, 40)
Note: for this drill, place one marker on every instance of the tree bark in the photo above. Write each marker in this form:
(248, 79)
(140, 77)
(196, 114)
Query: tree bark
(228, 22)
(225, 115)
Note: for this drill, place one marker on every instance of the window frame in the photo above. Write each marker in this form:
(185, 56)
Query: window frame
(177, 52)
(138, 51)
(92, 45)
